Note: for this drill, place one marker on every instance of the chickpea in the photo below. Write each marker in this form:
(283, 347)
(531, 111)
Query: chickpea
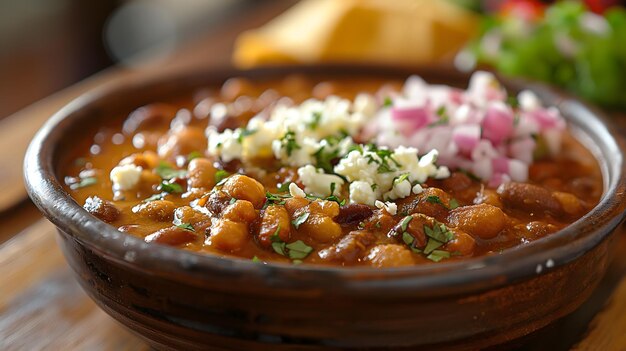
(172, 236)
(483, 221)
(240, 211)
(320, 228)
(327, 208)
(201, 173)
(275, 219)
(390, 255)
(158, 210)
(489, 197)
(181, 142)
(293, 204)
(463, 244)
(242, 187)
(227, 235)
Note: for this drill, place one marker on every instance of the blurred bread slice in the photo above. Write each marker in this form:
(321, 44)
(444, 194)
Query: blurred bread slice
(406, 32)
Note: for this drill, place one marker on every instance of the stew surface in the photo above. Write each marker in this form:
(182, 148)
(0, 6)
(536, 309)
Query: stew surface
(238, 171)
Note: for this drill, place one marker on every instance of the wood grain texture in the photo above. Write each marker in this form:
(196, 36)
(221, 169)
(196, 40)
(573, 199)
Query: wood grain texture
(41, 305)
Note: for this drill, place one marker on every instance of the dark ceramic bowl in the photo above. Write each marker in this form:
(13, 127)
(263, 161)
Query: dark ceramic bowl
(179, 299)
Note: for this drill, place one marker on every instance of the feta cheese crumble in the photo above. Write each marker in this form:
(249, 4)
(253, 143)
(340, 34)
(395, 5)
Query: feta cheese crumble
(125, 177)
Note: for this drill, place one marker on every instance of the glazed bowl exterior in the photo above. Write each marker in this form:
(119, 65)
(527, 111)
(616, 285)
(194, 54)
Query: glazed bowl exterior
(183, 300)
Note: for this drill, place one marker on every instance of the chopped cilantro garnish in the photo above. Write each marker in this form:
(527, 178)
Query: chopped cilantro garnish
(256, 259)
(408, 238)
(167, 172)
(232, 201)
(438, 255)
(288, 141)
(454, 204)
(387, 102)
(171, 188)
(284, 187)
(443, 117)
(298, 250)
(300, 219)
(432, 245)
(317, 116)
(243, 132)
(434, 199)
(374, 186)
(512, 101)
(439, 232)
(377, 225)
(155, 197)
(220, 176)
(399, 179)
(84, 182)
(324, 159)
(404, 224)
(194, 154)
(186, 226)
(275, 199)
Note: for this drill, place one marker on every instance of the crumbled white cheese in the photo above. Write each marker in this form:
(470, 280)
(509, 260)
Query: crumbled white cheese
(226, 145)
(295, 191)
(417, 189)
(390, 207)
(125, 177)
(399, 190)
(317, 183)
(306, 126)
(389, 177)
(361, 192)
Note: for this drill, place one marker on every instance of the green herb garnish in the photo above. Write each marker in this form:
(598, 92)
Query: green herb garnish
(298, 250)
(84, 182)
(220, 176)
(232, 201)
(434, 199)
(167, 172)
(453, 204)
(194, 155)
(317, 116)
(388, 102)
(300, 219)
(284, 187)
(404, 224)
(186, 226)
(399, 179)
(171, 188)
(288, 141)
(243, 132)
(438, 255)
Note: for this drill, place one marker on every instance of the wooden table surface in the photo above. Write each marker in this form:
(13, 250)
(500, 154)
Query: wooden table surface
(43, 308)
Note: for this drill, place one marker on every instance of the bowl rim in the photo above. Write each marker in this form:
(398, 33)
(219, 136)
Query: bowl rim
(456, 277)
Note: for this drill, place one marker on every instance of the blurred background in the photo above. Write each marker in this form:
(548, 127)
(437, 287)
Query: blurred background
(46, 45)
